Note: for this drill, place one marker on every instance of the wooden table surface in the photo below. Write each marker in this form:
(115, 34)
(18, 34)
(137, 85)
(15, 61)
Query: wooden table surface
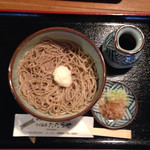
(119, 7)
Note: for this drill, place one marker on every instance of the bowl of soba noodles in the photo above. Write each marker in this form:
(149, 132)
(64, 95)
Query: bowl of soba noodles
(57, 74)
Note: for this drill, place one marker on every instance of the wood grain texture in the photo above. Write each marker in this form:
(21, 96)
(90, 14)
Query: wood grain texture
(120, 133)
(132, 7)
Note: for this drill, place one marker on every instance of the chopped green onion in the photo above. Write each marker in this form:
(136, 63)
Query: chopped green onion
(117, 94)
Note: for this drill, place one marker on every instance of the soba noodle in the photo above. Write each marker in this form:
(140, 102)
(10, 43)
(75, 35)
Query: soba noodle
(38, 87)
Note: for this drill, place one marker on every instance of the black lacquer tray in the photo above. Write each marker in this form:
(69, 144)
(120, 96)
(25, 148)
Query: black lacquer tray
(15, 27)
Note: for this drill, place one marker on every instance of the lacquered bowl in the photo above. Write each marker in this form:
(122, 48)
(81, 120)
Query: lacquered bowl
(56, 33)
(130, 111)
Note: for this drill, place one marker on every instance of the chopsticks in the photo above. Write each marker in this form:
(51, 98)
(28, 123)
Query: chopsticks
(32, 139)
(120, 133)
